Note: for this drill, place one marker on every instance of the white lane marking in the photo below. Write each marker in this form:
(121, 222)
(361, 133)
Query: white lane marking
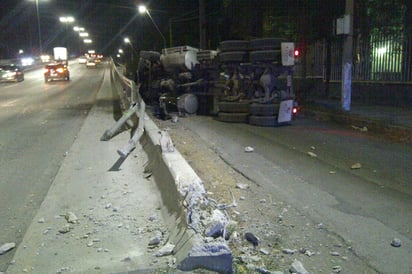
(9, 103)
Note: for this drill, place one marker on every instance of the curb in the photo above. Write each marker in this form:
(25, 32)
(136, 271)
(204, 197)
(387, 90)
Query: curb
(183, 195)
(380, 126)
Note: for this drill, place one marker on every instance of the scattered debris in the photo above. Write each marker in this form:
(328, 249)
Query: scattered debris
(65, 229)
(334, 253)
(251, 239)
(41, 221)
(356, 166)
(165, 250)
(361, 129)
(396, 242)
(297, 267)
(242, 186)
(71, 218)
(332, 172)
(337, 269)
(166, 142)
(311, 154)
(249, 149)
(7, 247)
(175, 119)
(289, 251)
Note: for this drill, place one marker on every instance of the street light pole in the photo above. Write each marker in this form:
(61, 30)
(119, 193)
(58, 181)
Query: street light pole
(143, 9)
(66, 20)
(38, 26)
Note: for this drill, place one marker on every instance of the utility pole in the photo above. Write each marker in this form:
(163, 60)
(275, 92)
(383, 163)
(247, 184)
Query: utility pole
(202, 25)
(347, 58)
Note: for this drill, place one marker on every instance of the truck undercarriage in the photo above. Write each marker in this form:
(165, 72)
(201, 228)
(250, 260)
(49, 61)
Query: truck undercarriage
(241, 81)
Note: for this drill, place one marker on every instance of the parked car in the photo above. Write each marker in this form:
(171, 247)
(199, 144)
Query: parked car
(57, 71)
(11, 73)
(91, 63)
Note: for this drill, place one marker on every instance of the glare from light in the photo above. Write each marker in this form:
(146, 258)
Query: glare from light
(27, 61)
(78, 29)
(45, 58)
(127, 40)
(87, 41)
(67, 19)
(382, 51)
(21, 51)
(120, 51)
(142, 9)
(84, 34)
(118, 55)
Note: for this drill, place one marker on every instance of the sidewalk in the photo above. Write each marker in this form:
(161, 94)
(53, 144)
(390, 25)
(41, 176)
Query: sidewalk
(393, 122)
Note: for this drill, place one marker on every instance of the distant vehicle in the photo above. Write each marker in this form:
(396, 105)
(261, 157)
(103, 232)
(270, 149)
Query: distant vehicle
(56, 71)
(11, 73)
(60, 55)
(82, 60)
(91, 63)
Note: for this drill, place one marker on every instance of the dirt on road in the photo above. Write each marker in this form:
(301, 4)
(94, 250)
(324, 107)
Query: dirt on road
(287, 238)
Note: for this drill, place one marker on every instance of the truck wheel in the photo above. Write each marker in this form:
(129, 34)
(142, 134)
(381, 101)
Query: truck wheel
(266, 43)
(232, 117)
(264, 109)
(233, 107)
(234, 45)
(233, 56)
(265, 55)
(263, 121)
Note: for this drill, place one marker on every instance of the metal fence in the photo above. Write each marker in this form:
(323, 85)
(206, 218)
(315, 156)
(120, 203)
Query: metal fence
(380, 57)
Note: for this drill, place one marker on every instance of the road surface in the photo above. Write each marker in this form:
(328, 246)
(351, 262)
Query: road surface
(306, 168)
(39, 123)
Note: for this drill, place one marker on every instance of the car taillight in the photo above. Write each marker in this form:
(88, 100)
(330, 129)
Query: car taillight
(60, 70)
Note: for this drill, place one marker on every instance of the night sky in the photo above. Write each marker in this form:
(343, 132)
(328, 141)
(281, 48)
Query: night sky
(107, 22)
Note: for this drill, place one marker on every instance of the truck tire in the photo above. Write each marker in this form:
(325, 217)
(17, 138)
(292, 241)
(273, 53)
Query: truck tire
(257, 109)
(234, 107)
(265, 56)
(266, 44)
(234, 45)
(263, 121)
(232, 117)
(232, 56)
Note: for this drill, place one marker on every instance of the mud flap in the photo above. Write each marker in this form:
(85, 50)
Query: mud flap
(285, 111)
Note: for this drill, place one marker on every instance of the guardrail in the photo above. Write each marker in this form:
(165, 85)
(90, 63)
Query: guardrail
(196, 223)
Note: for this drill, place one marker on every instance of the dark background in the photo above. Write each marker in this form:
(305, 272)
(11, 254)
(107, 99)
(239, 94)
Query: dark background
(109, 21)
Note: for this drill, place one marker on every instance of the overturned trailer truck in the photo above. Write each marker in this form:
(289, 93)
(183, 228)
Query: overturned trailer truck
(240, 82)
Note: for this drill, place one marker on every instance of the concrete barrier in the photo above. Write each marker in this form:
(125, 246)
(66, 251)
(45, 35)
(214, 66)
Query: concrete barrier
(187, 210)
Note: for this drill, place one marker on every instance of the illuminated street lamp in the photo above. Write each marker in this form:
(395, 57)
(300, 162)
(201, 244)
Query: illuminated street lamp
(78, 29)
(84, 34)
(121, 51)
(87, 41)
(127, 41)
(66, 19)
(142, 9)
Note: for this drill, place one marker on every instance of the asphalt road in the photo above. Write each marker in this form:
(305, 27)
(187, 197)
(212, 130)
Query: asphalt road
(365, 207)
(38, 124)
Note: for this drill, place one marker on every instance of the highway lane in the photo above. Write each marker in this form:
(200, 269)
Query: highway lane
(38, 124)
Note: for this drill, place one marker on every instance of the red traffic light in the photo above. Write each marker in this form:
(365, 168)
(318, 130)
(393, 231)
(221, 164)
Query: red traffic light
(296, 53)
